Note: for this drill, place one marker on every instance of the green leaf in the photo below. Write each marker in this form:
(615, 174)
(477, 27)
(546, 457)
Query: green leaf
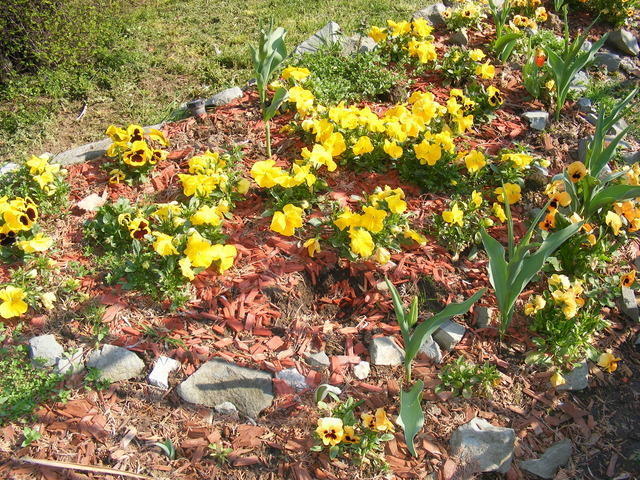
(333, 452)
(497, 268)
(610, 195)
(430, 325)
(399, 309)
(411, 417)
(278, 99)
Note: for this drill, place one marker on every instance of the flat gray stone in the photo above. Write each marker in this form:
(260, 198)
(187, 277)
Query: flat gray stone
(580, 82)
(485, 314)
(361, 370)
(358, 44)
(576, 379)
(631, 158)
(224, 97)
(483, 446)
(460, 37)
(70, 363)
(449, 334)
(293, 378)
(218, 381)
(432, 13)
(226, 408)
(384, 351)
(45, 348)
(83, 153)
(115, 363)
(608, 59)
(318, 360)
(624, 41)
(327, 35)
(585, 105)
(537, 119)
(431, 349)
(556, 456)
(629, 304)
(162, 367)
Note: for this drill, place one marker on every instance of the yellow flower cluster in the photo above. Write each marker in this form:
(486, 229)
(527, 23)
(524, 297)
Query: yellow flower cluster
(135, 149)
(624, 214)
(18, 217)
(44, 173)
(13, 304)
(332, 431)
(564, 294)
(208, 173)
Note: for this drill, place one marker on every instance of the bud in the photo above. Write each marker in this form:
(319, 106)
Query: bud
(382, 255)
(487, 222)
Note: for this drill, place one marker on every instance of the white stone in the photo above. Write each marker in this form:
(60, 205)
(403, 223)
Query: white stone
(432, 13)
(384, 351)
(159, 376)
(449, 334)
(629, 304)
(226, 408)
(293, 378)
(362, 370)
(483, 446)
(318, 360)
(115, 363)
(431, 349)
(224, 97)
(624, 41)
(70, 364)
(556, 456)
(537, 119)
(327, 35)
(45, 348)
(576, 379)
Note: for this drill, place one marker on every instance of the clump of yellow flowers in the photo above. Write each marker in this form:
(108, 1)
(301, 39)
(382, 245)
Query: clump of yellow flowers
(135, 152)
(18, 227)
(405, 40)
(37, 178)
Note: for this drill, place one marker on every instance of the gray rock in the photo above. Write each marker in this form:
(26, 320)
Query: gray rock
(358, 44)
(318, 360)
(484, 446)
(484, 314)
(159, 376)
(327, 35)
(224, 97)
(580, 82)
(449, 334)
(624, 41)
(591, 117)
(362, 370)
(631, 158)
(586, 46)
(83, 153)
(293, 378)
(556, 456)
(628, 65)
(618, 127)
(460, 37)
(431, 349)
(576, 379)
(46, 349)
(585, 105)
(115, 363)
(537, 119)
(70, 363)
(629, 305)
(8, 168)
(226, 408)
(607, 59)
(384, 351)
(432, 13)
(218, 381)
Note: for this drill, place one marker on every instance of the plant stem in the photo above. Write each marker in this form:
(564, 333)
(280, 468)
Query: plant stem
(267, 130)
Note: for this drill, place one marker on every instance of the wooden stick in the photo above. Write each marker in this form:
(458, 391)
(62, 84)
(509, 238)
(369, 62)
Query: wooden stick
(78, 466)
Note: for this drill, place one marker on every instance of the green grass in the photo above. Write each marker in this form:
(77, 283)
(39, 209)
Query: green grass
(163, 53)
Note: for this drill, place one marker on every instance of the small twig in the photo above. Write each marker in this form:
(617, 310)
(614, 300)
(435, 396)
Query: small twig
(76, 466)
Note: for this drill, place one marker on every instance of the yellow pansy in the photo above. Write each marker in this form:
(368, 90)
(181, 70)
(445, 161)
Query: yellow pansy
(13, 304)
(185, 268)
(421, 27)
(474, 160)
(614, 221)
(297, 73)
(608, 361)
(576, 171)
(313, 246)
(199, 250)
(559, 281)
(476, 198)
(427, 152)
(476, 55)
(286, 221)
(512, 192)
(557, 379)
(266, 174)
(372, 219)
(330, 430)
(399, 28)
(138, 154)
(335, 144)
(498, 211)
(534, 305)
(347, 219)
(520, 160)
(362, 146)
(454, 215)
(319, 156)
(361, 242)
(415, 236)
(378, 34)
(392, 149)
(39, 243)
(163, 244)
(486, 71)
(378, 421)
(349, 435)
(206, 215)
(382, 256)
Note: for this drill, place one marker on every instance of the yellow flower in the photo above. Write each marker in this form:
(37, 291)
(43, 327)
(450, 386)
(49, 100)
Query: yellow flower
(185, 268)
(425, 51)
(628, 280)
(313, 246)
(242, 186)
(116, 175)
(302, 98)
(608, 361)
(138, 228)
(335, 144)
(349, 435)
(117, 134)
(560, 199)
(474, 160)
(392, 149)
(421, 27)
(486, 71)
(13, 304)
(378, 421)
(330, 430)
(494, 96)
(498, 211)
(549, 222)
(163, 244)
(224, 255)
(454, 215)
(378, 34)
(560, 281)
(297, 73)
(614, 221)
(199, 251)
(415, 236)
(399, 28)
(138, 155)
(541, 14)
(520, 160)
(396, 204)
(37, 165)
(463, 123)
(382, 256)
(557, 379)
(476, 198)
(157, 135)
(568, 300)
(165, 210)
(534, 305)
(373, 219)
(286, 221)
(576, 171)
(206, 215)
(135, 132)
(427, 152)
(347, 219)
(266, 174)
(476, 55)
(319, 156)
(39, 243)
(48, 299)
(361, 242)
(512, 191)
(362, 146)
